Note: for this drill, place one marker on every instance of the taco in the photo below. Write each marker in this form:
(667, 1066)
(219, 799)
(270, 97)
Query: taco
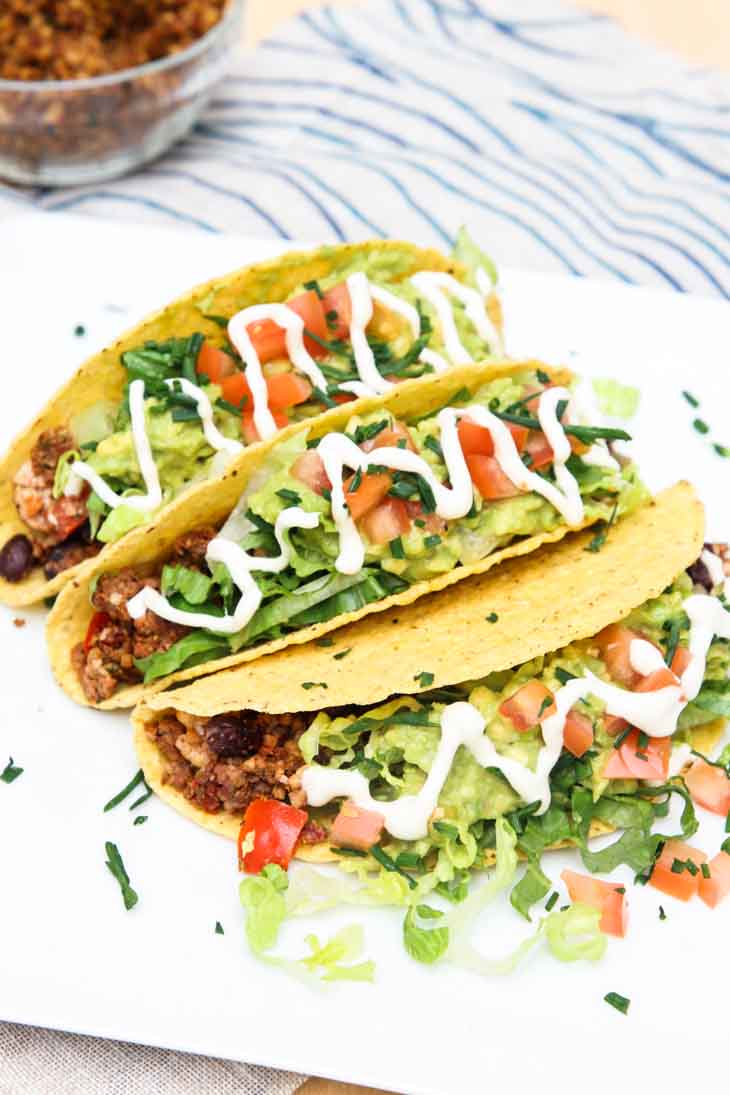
(177, 399)
(623, 671)
(339, 519)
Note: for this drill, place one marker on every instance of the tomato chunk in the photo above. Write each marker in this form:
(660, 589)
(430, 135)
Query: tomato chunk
(614, 644)
(356, 828)
(681, 660)
(683, 884)
(268, 339)
(287, 390)
(371, 491)
(709, 786)
(715, 888)
(477, 439)
(337, 308)
(235, 389)
(578, 736)
(614, 725)
(432, 523)
(608, 897)
(276, 827)
(387, 521)
(489, 479)
(629, 761)
(389, 438)
(539, 450)
(660, 678)
(527, 706)
(308, 468)
(309, 306)
(251, 434)
(214, 363)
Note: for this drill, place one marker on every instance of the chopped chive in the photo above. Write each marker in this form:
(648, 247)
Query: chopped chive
(547, 702)
(691, 867)
(219, 928)
(705, 870)
(10, 772)
(727, 823)
(564, 675)
(325, 641)
(616, 1000)
(290, 496)
(662, 914)
(121, 795)
(678, 865)
(326, 494)
(420, 522)
(542, 376)
(622, 738)
(79, 330)
(701, 426)
(446, 829)
(425, 679)
(408, 859)
(314, 285)
(600, 537)
(231, 407)
(115, 866)
(314, 684)
(725, 846)
(432, 541)
(551, 901)
(435, 447)
(356, 481)
(396, 548)
(342, 654)
(390, 864)
(356, 853)
(721, 450)
(492, 618)
(142, 798)
(691, 399)
(140, 819)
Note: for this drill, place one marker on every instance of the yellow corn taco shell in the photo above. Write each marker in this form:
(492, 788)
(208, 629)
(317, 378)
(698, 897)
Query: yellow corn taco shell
(543, 602)
(212, 503)
(103, 376)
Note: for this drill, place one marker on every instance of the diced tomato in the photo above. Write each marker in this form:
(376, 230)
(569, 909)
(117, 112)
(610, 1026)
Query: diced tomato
(309, 306)
(608, 897)
(251, 434)
(387, 521)
(614, 644)
(214, 363)
(715, 888)
(489, 479)
(432, 523)
(660, 678)
(372, 490)
(337, 300)
(682, 884)
(308, 468)
(476, 439)
(343, 397)
(526, 707)
(578, 735)
(287, 390)
(709, 786)
(268, 339)
(539, 450)
(236, 390)
(681, 660)
(97, 623)
(276, 827)
(614, 725)
(389, 438)
(625, 763)
(356, 828)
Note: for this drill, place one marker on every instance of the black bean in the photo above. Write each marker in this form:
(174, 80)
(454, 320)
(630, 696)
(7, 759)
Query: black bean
(234, 735)
(700, 575)
(16, 558)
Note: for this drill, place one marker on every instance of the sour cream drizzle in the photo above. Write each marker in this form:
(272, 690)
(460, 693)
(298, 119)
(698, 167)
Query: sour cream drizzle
(338, 451)
(436, 287)
(80, 470)
(240, 564)
(655, 713)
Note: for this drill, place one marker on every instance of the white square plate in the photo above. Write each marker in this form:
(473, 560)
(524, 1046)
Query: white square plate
(72, 958)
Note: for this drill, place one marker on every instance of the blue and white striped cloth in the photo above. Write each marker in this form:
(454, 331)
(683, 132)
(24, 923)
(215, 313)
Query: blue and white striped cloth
(564, 143)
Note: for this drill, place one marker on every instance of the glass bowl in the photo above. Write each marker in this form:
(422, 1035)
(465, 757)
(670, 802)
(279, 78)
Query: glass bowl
(68, 132)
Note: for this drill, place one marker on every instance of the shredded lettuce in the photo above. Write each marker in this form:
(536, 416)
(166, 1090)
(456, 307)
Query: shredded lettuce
(263, 897)
(193, 585)
(63, 468)
(119, 522)
(423, 943)
(615, 399)
(466, 251)
(192, 649)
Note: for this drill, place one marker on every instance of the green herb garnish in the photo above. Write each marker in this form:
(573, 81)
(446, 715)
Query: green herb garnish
(116, 867)
(313, 684)
(125, 791)
(432, 541)
(315, 286)
(140, 819)
(289, 496)
(342, 654)
(492, 618)
(600, 537)
(424, 678)
(616, 1000)
(11, 772)
(701, 426)
(396, 548)
(390, 864)
(691, 399)
(219, 928)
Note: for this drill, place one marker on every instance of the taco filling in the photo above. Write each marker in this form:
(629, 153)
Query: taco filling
(190, 405)
(358, 516)
(586, 739)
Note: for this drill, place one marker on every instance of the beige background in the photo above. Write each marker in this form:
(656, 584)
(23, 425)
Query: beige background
(698, 30)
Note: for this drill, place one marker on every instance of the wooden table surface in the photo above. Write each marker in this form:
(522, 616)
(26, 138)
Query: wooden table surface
(698, 32)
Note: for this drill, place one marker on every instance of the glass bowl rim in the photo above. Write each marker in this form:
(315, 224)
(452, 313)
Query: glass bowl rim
(231, 14)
